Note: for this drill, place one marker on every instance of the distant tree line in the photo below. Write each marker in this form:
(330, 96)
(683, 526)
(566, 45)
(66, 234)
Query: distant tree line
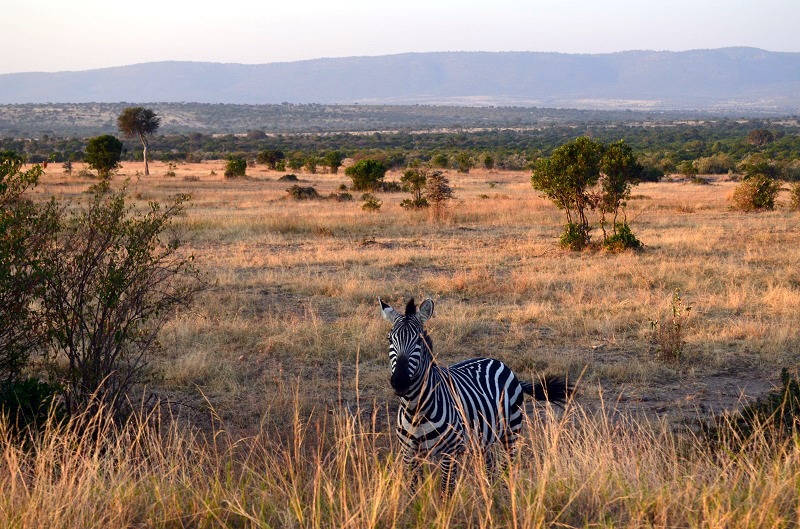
(713, 147)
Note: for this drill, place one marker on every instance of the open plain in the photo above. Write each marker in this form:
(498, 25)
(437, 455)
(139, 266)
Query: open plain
(293, 288)
(283, 359)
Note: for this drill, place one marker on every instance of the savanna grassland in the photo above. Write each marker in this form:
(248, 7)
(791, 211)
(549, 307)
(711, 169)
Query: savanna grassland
(274, 385)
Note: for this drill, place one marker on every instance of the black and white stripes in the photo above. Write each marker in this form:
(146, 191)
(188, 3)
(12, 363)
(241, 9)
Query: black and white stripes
(443, 411)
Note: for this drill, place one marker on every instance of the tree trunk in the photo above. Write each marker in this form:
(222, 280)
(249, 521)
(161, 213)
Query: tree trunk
(144, 155)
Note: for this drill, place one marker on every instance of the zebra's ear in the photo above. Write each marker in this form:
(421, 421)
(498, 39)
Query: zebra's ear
(425, 310)
(388, 312)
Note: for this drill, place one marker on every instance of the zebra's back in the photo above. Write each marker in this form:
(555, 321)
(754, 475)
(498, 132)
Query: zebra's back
(491, 397)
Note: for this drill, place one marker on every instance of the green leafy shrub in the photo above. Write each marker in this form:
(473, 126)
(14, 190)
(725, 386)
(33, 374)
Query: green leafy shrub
(413, 180)
(794, 196)
(236, 167)
(575, 237)
(622, 239)
(367, 174)
(113, 280)
(29, 402)
(103, 154)
(27, 229)
(719, 163)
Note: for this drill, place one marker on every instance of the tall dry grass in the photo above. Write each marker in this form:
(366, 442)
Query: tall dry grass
(334, 469)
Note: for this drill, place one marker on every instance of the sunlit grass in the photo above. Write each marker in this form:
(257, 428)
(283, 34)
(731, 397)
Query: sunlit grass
(332, 468)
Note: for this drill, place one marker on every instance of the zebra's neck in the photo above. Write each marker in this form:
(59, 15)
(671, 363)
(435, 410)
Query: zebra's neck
(420, 398)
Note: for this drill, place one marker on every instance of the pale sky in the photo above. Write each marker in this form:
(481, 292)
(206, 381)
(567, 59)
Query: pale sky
(58, 35)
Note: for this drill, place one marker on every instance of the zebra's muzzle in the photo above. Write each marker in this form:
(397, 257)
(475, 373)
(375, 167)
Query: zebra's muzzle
(400, 380)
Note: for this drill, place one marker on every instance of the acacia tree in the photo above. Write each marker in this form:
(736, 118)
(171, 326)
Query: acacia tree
(141, 122)
(565, 177)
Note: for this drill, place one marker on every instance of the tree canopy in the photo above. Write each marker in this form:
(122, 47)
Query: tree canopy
(141, 122)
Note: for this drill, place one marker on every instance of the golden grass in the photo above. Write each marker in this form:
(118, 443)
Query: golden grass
(575, 469)
(275, 407)
(294, 286)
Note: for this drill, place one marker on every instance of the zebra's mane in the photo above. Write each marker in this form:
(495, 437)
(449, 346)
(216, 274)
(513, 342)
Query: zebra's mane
(411, 310)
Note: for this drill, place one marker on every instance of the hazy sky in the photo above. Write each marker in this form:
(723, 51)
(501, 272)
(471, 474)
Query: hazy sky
(57, 35)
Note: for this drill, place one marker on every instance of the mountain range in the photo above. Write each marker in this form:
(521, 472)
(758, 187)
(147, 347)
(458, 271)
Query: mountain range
(726, 79)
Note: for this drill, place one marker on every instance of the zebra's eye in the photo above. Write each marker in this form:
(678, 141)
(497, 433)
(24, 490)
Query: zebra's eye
(389, 336)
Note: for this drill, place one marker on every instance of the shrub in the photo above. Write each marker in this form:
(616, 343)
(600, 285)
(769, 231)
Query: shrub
(270, 158)
(112, 282)
(413, 180)
(288, 178)
(440, 160)
(687, 168)
(668, 333)
(622, 239)
(371, 203)
(28, 403)
(367, 174)
(715, 164)
(565, 178)
(26, 230)
(438, 192)
(756, 192)
(302, 193)
(794, 196)
(236, 167)
(103, 154)
(464, 162)
(341, 196)
(575, 237)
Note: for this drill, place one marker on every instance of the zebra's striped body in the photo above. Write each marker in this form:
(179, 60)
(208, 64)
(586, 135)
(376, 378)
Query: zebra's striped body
(445, 411)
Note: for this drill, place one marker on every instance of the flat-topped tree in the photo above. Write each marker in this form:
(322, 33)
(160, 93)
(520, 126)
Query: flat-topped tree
(141, 122)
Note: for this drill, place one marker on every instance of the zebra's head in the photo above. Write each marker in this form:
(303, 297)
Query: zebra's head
(409, 345)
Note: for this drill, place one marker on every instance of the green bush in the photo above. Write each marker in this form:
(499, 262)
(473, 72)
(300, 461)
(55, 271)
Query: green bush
(27, 229)
(719, 163)
(371, 203)
(622, 239)
(103, 154)
(28, 403)
(575, 237)
(112, 282)
(794, 196)
(236, 167)
(367, 174)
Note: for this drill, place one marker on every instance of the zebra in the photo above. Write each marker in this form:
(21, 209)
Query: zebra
(446, 410)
